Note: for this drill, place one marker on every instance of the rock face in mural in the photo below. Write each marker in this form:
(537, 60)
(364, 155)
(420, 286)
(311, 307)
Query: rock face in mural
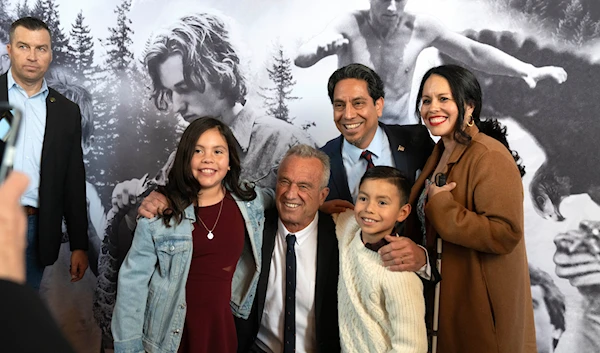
(141, 70)
(555, 115)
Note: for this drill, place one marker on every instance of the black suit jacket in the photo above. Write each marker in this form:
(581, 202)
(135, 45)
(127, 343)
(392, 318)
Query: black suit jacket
(26, 324)
(410, 146)
(326, 314)
(4, 115)
(62, 177)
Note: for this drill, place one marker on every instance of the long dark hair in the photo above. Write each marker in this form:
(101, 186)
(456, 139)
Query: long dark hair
(182, 188)
(466, 90)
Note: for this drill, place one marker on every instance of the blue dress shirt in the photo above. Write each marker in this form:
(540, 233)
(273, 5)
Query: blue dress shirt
(356, 166)
(28, 151)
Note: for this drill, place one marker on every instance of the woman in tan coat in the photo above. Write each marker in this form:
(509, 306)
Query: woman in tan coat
(485, 300)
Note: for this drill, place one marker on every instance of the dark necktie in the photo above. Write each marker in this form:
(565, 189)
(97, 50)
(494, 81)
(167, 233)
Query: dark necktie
(368, 156)
(289, 330)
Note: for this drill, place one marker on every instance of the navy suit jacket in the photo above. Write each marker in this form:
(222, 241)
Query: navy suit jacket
(411, 145)
(326, 314)
(62, 177)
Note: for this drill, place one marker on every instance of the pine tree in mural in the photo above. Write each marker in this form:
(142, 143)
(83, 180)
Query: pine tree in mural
(47, 11)
(61, 55)
(22, 9)
(37, 10)
(5, 18)
(570, 21)
(60, 42)
(82, 47)
(577, 25)
(115, 120)
(119, 41)
(127, 117)
(134, 135)
(539, 7)
(114, 87)
(278, 97)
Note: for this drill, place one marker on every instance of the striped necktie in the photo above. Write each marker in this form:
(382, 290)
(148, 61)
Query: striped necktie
(368, 156)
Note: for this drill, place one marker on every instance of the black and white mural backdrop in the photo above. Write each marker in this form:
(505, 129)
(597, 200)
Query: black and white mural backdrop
(132, 66)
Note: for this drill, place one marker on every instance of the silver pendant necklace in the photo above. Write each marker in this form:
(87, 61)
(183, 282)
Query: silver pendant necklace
(210, 234)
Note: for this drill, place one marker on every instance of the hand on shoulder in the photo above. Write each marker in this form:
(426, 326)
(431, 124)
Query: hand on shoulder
(153, 205)
(336, 206)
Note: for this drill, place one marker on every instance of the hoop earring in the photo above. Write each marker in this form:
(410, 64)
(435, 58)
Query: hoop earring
(472, 122)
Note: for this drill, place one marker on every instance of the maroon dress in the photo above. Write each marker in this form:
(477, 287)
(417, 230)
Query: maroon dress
(209, 324)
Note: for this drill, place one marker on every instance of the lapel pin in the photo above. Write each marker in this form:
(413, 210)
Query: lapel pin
(400, 148)
(52, 99)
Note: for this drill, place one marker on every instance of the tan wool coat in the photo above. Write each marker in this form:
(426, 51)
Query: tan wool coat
(485, 303)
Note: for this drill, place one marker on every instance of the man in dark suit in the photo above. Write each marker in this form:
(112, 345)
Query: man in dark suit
(357, 94)
(22, 311)
(48, 150)
(301, 188)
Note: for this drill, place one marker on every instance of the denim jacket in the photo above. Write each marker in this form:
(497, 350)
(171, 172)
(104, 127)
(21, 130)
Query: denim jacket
(150, 310)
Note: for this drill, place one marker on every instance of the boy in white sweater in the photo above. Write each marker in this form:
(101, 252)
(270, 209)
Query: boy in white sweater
(379, 310)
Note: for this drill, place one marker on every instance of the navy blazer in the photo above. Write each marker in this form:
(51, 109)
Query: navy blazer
(411, 145)
(62, 177)
(326, 314)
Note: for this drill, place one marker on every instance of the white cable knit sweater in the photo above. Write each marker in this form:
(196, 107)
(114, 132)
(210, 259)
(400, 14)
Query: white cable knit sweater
(379, 310)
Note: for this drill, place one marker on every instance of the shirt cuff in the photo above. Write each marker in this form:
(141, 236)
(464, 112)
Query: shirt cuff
(425, 271)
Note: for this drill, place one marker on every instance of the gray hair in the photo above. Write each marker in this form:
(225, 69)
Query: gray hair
(306, 151)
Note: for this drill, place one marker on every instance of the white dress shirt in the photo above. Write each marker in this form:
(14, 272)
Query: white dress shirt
(270, 334)
(356, 166)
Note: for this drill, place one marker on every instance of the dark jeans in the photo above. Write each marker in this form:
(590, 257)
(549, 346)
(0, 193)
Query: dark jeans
(35, 270)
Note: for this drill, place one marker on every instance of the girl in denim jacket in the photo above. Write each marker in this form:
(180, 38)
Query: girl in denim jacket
(189, 269)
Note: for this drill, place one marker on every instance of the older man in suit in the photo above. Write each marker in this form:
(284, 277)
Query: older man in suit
(48, 150)
(295, 308)
(357, 94)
